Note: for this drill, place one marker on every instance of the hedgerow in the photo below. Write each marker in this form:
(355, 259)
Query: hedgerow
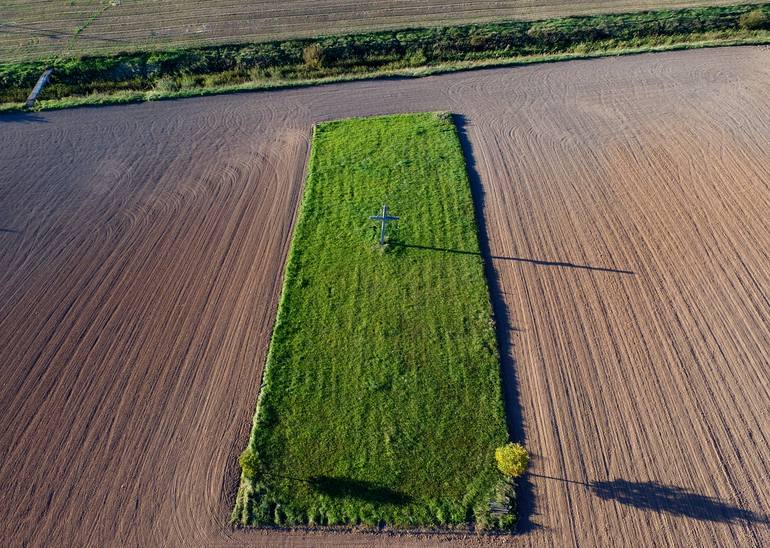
(328, 56)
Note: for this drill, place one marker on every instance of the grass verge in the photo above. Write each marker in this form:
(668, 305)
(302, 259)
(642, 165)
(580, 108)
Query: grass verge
(171, 74)
(381, 401)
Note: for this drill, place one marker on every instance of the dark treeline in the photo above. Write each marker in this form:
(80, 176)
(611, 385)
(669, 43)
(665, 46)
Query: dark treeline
(171, 70)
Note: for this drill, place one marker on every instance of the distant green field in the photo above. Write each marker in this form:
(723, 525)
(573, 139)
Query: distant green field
(381, 402)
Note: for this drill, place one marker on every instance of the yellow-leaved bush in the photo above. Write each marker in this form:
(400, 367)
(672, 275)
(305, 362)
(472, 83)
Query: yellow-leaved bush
(512, 459)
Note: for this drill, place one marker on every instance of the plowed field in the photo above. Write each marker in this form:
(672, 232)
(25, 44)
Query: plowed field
(33, 28)
(625, 214)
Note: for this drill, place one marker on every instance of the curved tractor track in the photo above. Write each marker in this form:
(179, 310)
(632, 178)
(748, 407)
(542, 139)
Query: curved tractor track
(625, 215)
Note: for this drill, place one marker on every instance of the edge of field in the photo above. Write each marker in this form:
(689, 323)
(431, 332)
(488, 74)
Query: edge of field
(503, 491)
(79, 25)
(695, 41)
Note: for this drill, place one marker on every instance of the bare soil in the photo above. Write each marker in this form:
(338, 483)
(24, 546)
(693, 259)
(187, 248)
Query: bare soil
(624, 206)
(30, 29)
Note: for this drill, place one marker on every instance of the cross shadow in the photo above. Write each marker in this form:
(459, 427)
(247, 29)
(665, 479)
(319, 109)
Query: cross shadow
(538, 262)
(503, 329)
(668, 499)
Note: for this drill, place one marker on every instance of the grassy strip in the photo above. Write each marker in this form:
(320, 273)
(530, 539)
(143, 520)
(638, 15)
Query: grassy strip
(126, 97)
(177, 73)
(381, 401)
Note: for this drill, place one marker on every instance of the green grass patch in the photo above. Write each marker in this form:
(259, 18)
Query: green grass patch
(381, 402)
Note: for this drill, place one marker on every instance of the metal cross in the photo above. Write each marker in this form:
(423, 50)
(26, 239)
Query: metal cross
(384, 218)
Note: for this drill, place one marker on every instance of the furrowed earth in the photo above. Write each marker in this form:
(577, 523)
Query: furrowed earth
(31, 29)
(624, 215)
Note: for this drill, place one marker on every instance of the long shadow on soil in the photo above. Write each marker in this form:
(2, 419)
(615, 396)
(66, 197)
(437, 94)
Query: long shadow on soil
(503, 328)
(536, 262)
(667, 499)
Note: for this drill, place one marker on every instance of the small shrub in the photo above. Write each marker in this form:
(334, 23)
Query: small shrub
(313, 55)
(416, 59)
(190, 81)
(512, 459)
(547, 34)
(479, 42)
(166, 84)
(250, 463)
(225, 78)
(754, 20)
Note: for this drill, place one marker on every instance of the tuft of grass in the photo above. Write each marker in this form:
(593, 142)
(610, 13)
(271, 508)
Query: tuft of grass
(755, 20)
(381, 402)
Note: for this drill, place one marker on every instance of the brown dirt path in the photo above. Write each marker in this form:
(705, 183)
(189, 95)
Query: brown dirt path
(625, 207)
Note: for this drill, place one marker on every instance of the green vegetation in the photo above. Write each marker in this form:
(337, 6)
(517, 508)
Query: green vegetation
(512, 459)
(381, 402)
(216, 69)
(250, 465)
(755, 20)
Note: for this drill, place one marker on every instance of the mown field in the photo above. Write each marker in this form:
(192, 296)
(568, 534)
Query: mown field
(381, 401)
(40, 28)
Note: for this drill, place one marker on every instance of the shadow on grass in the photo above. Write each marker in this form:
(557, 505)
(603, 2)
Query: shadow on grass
(362, 490)
(503, 329)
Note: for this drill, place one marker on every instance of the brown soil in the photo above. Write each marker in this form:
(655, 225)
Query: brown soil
(31, 29)
(625, 205)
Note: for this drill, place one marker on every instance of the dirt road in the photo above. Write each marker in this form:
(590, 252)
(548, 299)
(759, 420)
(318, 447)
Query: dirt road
(625, 207)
